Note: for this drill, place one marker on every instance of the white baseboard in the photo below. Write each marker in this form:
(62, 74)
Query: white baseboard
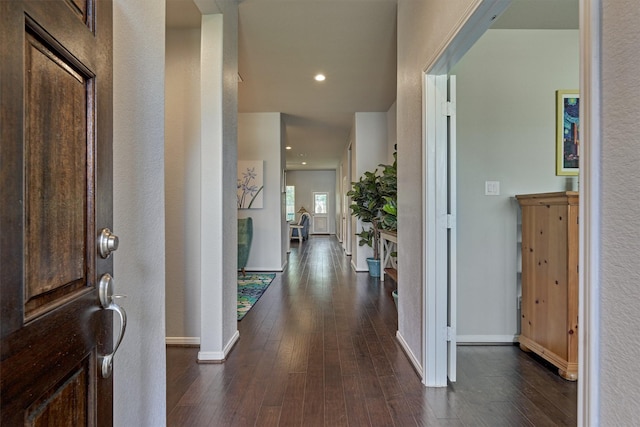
(412, 357)
(218, 356)
(263, 270)
(184, 341)
(486, 339)
(355, 268)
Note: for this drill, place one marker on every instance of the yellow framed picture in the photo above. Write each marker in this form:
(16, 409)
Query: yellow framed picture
(567, 132)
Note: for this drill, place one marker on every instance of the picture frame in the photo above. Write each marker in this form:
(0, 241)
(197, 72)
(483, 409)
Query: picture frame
(567, 132)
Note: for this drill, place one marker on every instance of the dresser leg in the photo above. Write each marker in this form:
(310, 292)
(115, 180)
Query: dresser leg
(571, 376)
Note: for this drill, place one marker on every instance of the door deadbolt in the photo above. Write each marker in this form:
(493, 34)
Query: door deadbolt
(107, 243)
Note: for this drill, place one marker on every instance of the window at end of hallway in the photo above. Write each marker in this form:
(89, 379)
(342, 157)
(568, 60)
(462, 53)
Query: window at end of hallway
(291, 202)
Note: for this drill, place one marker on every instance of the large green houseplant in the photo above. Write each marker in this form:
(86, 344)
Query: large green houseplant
(373, 199)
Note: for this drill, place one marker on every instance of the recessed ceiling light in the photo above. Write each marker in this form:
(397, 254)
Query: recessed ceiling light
(320, 77)
(304, 163)
(288, 147)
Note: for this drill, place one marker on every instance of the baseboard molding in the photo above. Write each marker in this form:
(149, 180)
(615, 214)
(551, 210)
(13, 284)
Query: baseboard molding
(486, 339)
(355, 268)
(412, 357)
(183, 341)
(264, 270)
(218, 356)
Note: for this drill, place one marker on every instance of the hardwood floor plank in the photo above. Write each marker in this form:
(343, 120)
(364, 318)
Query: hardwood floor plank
(269, 416)
(355, 405)
(319, 348)
(292, 405)
(379, 414)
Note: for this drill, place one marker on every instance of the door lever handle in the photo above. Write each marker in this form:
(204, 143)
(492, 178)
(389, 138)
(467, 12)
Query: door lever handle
(105, 292)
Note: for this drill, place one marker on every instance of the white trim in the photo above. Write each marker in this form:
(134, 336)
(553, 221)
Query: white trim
(191, 341)
(470, 28)
(264, 270)
(412, 357)
(219, 356)
(436, 300)
(590, 190)
(356, 269)
(429, 340)
(486, 339)
(451, 231)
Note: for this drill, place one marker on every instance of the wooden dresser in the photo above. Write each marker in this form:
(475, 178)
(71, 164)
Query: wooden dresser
(549, 324)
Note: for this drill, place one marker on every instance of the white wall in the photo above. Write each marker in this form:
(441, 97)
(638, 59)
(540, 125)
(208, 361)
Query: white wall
(506, 129)
(138, 178)
(260, 138)
(392, 134)
(182, 185)
(619, 268)
(370, 140)
(346, 218)
(308, 182)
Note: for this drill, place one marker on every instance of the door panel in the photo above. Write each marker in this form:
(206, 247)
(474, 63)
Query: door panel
(55, 184)
(56, 219)
(72, 396)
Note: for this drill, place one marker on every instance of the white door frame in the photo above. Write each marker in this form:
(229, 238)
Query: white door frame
(435, 295)
(315, 215)
(474, 25)
(347, 201)
(590, 182)
(435, 299)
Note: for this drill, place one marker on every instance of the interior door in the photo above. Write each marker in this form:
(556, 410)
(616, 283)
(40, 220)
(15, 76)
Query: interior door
(320, 213)
(56, 185)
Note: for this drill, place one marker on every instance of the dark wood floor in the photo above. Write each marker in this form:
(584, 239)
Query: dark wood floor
(319, 349)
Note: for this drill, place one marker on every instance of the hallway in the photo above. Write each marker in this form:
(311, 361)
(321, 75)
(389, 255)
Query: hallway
(319, 348)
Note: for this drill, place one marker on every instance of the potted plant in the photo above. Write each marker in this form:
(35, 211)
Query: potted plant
(369, 196)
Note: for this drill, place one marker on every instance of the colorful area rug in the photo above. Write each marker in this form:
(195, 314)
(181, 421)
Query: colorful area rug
(250, 289)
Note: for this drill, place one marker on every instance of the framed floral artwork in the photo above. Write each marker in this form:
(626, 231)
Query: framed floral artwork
(250, 184)
(567, 132)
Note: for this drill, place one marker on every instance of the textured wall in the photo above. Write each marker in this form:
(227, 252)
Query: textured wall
(423, 26)
(259, 138)
(138, 177)
(620, 221)
(370, 151)
(182, 182)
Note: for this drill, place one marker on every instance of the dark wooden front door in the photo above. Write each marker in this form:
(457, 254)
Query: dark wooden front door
(55, 188)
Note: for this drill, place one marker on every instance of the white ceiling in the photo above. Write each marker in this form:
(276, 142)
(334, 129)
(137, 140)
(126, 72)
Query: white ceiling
(282, 44)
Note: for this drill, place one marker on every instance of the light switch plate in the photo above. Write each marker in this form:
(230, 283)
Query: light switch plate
(492, 188)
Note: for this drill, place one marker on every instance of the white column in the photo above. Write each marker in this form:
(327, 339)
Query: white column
(218, 218)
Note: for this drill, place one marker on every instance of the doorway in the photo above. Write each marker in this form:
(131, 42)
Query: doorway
(442, 66)
(320, 213)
